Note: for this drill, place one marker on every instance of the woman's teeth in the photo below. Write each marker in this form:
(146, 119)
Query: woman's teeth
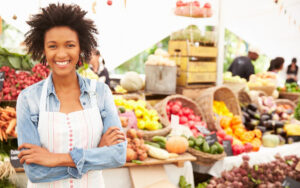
(62, 63)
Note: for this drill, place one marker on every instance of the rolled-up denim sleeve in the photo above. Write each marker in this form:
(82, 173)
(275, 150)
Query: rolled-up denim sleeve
(28, 133)
(102, 157)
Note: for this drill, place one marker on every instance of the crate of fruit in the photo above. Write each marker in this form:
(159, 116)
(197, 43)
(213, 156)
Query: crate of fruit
(136, 113)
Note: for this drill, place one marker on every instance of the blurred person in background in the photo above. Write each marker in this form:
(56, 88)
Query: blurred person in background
(97, 65)
(276, 65)
(242, 66)
(292, 72)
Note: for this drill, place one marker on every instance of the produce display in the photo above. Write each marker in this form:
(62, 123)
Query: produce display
(193, 9)
(243, 140)
(136, 149)
(290, 87)
(220, 108)
(201, 144)
(160, 57)
(86, 72)
(193, 34)
(227, 77)
(261, 175)
(15, 82)
(187, 116)
(146, 119)
(262, 79)
(8, 123)
(132, 82)
(8, 176)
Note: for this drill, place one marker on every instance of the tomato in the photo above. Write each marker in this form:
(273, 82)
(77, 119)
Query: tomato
(179, 4)
(207, 5)
(179, 103)
(221, 133)
(175, 109)
(191, 117)
(191, 124)
(248, 147)
(183, 120)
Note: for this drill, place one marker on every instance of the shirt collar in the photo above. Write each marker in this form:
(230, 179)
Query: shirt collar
(82, 84)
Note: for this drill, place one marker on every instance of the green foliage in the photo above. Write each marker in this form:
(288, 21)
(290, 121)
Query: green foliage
(297, 112)
(137, 62)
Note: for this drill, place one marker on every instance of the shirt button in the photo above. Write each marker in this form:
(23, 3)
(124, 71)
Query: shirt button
(71, 140)
(71, 145)
(70, 135)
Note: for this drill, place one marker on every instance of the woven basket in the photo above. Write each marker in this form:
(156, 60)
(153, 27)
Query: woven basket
(147, 135)
(285, 101)
(220, 93)
(186, 102)
(206, 158)
(267, 89)
(244, 97)
(294, 97)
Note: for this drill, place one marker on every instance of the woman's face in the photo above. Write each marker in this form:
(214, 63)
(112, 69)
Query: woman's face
(62, 49)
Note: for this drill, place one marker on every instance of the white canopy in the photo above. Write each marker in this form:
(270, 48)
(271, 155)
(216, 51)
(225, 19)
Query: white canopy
(124, 32)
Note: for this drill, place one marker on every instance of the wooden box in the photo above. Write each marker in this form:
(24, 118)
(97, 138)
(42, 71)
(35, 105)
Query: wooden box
(186, 78)
(184, 64)
(160, 79)
(185, 48)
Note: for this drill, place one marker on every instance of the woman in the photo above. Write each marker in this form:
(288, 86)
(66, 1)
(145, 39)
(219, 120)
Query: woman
(68, 127)
(98, 66)
(276, 64)
(292, 72)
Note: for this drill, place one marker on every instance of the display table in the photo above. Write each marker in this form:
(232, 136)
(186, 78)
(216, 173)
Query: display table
(264, 155)
(120, 177)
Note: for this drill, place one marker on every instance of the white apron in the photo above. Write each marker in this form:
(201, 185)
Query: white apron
(60, 132)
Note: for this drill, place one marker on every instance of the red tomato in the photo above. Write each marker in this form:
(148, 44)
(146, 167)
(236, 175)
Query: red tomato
(179, 4)
(183, 120)
(191, 124)
(221, 133)
(109, 2)
(179, 103)
(207, 5)
(175, 109)
(248, 147)
(197, 118)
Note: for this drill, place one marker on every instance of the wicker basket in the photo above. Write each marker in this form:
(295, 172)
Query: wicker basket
(220, 93)
(294, 97)
(206, 158)
(267, 89)
(244, 97)
(147, 135)
(285, 101)
(186, 102)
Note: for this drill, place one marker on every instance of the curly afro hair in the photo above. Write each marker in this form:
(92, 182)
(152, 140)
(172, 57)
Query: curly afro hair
(56, 15)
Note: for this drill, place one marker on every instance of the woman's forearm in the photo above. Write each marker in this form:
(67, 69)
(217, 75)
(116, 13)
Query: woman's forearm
(64, 159)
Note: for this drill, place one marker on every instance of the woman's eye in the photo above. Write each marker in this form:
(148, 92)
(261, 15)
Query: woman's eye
(51, 46)
(70, 45)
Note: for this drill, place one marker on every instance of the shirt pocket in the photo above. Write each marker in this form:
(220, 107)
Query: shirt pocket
(35, 119)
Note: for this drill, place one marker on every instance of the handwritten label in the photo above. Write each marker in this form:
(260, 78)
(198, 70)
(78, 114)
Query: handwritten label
(290, 183)
(203, 130)
(174, 121)
(14, 160)
(2, 76)
(211, 139)
(227, 147)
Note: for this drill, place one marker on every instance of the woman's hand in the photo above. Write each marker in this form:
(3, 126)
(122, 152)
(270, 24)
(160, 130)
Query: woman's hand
(112, 136)
(37, 155)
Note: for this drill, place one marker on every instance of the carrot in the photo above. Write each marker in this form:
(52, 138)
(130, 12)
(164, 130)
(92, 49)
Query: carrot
(11, 126)
(4, 135)
(2, 123)
(1, 138)
(5, 116)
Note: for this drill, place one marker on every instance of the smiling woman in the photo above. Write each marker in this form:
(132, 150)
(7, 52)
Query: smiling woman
(68, 127)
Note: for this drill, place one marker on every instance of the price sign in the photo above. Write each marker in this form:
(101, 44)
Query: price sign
(227, 147)
(203, 130)
(290, 183)
(211, 139)
(2, 76)
(174, 120)
(14, 160)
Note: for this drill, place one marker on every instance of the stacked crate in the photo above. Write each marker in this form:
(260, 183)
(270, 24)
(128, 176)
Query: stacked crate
(196, 64)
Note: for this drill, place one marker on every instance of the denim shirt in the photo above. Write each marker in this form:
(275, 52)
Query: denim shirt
(84, 159)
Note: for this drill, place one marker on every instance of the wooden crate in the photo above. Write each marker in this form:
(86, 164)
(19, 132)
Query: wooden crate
(184, 64)
(186, 78)
(185, 48)
(160, 79)
(193, 91)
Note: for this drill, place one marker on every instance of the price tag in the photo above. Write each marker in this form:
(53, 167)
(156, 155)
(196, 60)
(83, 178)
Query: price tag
(174, 121)
(203, 130)
(211, 139)
(290, 183)
(14, 160)
(227, 147)
(2, 76)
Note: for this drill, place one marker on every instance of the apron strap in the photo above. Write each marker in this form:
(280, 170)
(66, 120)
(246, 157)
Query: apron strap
(43, 99)
(93, 94)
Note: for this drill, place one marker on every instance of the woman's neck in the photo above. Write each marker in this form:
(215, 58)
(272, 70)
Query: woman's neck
(65, 83)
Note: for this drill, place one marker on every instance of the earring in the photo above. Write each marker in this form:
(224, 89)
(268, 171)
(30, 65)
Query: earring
(80, 62)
